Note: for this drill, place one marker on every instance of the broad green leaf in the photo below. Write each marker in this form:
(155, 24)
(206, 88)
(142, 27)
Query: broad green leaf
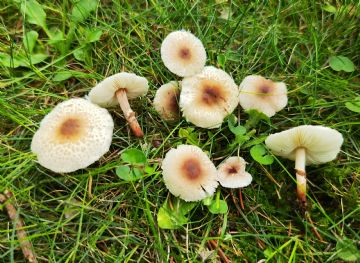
(255, 141)
(354, 105)
(238, 129)
(14, 61)
(221, 60)
(34, 13)
(82, 10)
(218, 206)
(173, 217)
(329, 8)
(37, 58)
(129, 174)
(29, 40)
(57, 39)
(347, 250)
(207, 201)
(62, 75)
(339, 63)
(80, 54)
(93, 35)
(133, 156)
(258, 153)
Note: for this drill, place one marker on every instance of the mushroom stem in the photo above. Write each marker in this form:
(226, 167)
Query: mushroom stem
(301, 174)
(128, 112)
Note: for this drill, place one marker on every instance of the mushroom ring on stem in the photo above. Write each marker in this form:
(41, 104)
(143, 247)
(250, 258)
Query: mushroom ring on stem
(306, 144)
(75, 134)
(117, 89)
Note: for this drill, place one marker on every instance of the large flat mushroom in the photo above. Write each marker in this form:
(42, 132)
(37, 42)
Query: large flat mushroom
(116, 90)
(75, 134)
(306, 145)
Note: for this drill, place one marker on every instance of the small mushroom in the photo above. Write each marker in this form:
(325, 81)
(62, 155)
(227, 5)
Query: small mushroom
(264, 95)
(75, 134)
(183, 53)
(189, 173)
(306, 144)
(166, 101)
(208, 97)
(231, 173)
(117, 89)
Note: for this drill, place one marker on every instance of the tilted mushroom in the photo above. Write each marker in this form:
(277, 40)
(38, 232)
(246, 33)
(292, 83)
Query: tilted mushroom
(166, 101)
(189, 173)
(231, 173)
(264, 95)
(117, 89)
(75, 134)
(306, 144)
(183, 53)
(208, 97)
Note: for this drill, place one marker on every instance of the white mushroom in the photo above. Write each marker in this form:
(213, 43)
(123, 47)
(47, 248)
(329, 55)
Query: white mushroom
(208, 97)
(264, 95)
(75, 134)
(183, 53)
(166, 101)
(117, 89)
(306, 145)
(189, 173)
(231, 173)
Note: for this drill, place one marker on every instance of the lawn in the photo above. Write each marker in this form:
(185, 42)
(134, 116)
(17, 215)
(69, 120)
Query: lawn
(56, 50)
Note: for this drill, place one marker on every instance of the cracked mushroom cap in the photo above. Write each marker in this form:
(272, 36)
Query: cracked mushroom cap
(75, 134)
(322, 144)
(166, 101)
(208, 97)
(183, 53)
(189, 173)
(264, 95)
(231, 173)
(103, 93)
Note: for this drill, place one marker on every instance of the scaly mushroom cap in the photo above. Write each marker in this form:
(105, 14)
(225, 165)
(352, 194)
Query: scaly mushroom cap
(231, 173)
(183, 53)
(75, 134)
(264, 95)
(322, 144)
(189, 173)
(166, 101)
(103, 93)
(208, 97)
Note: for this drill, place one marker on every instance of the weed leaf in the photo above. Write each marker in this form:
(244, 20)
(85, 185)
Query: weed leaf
(354, 105)
(82, 9)
(339, 63)
(258, 153)
(218, 207)
(29, 40)
(34, 13)
(133, 156)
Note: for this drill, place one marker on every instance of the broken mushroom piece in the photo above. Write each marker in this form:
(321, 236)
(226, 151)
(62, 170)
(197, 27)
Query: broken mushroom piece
(75, 134)
(166, 101)
(264, 95)
(117, 89)
(231, 173)
(208, 97)
(306, 144)
(183, 53)
(189, 173)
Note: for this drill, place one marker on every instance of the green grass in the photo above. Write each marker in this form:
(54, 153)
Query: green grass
(116, 221)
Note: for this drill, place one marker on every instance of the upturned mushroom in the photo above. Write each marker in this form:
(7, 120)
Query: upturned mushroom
(75, 134)
(264, 95)
(306, 145)
(208, 97)
(231, 173)
(189, 173)
(117, 89)
(183, 53)
(166, 101)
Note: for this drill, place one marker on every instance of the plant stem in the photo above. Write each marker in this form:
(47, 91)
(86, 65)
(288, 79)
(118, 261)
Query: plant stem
(129, 113)
(300, 159)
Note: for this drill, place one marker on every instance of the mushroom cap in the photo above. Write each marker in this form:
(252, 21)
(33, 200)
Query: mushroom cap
(231, 173)
(183, 53)
(75, 134)
(166, 101)
(208, 97)
(189, 173)
(104, 95)
(322, 144)
(264, 95)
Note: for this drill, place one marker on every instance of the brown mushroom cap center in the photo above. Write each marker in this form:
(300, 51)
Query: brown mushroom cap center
(265, 88)
(173, 104)
(70, 129)
(212, 93)
(232, 170)
(191, 169)
(184, 53)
